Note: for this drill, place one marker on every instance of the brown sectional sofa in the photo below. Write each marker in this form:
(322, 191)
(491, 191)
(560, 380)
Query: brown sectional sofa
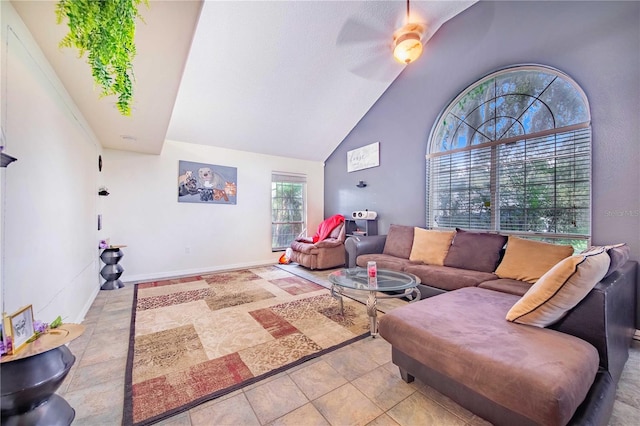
(460, 343)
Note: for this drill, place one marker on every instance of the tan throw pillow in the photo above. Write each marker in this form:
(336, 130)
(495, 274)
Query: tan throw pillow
(560, 289)
(528, 260)
(430, 246)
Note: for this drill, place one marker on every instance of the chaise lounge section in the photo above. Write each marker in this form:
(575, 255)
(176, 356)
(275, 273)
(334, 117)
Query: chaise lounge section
(461, 343)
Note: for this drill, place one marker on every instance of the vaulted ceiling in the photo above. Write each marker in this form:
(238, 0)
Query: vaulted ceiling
(287, 78)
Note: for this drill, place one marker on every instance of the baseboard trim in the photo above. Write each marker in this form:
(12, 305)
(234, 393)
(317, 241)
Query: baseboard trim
(135, 279)
(87, 306)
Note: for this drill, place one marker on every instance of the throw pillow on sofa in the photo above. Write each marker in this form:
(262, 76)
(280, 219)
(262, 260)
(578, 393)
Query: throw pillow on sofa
(477, 251)
(399, 241)
(528, 260)
(560, 289)
(618, 253)
(430, 246)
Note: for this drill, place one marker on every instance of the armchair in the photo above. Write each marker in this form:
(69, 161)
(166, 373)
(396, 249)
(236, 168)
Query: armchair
(324, 253)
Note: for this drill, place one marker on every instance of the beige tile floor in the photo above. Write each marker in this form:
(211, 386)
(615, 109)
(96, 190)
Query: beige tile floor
(355, 385)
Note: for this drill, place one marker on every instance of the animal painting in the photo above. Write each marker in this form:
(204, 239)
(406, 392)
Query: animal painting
(207, 178)
(230, 188)
(182, 179)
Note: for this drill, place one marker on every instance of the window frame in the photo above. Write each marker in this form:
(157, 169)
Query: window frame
(279, 178)
(440, 139)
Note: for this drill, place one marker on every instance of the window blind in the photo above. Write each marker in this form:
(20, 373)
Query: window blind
(288, 178)
(537, 185)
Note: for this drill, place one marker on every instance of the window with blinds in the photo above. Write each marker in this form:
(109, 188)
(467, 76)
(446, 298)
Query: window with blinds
(288, 208)
(512, 153)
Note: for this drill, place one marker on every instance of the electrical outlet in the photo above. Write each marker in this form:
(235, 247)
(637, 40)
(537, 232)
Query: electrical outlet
(187, 250)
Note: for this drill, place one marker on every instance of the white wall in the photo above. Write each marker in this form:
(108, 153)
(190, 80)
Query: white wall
(143, 212)
(50, 237)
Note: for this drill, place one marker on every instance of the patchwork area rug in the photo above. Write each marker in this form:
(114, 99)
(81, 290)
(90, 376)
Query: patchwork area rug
(198, 338)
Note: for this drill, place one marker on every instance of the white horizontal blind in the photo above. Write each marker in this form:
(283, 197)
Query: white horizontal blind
(460, 189)
(288, 178)
(539, 185)
(544, 184)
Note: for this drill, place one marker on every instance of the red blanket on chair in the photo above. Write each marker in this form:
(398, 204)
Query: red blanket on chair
(327, 225)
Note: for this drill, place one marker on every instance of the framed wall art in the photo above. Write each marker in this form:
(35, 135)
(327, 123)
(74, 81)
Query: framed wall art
(207, 183)
(363, 158)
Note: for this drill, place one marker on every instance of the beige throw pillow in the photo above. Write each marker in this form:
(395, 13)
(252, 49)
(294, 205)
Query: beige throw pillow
(430, 246)
(528, 260)
(560, 289)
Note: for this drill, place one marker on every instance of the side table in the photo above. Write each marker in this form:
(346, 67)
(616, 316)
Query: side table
(111, 271)
(30, 378)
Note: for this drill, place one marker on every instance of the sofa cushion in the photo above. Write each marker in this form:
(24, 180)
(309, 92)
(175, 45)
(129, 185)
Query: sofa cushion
(560, 289)
(528, 260)
(507, 285)
(618, 253)
(430, 246)
(383, 261)
(478, 251)
(399, 241)
(446, 277)
(539, 373)
(329, 243)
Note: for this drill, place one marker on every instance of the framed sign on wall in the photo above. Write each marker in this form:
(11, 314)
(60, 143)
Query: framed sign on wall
(363, 158)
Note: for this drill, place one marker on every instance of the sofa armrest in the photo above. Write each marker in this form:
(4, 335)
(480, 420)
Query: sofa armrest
(328, 243)
(605, 318)
(356, 246)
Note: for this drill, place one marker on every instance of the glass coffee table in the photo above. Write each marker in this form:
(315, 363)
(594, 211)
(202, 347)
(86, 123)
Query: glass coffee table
(388, 281)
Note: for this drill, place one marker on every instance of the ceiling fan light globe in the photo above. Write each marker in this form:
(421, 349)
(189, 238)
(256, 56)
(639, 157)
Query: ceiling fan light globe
(407, 48)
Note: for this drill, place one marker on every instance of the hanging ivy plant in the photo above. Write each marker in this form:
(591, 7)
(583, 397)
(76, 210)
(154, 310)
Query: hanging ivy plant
(105, 31)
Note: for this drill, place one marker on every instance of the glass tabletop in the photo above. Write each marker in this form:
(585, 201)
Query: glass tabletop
(357, 279)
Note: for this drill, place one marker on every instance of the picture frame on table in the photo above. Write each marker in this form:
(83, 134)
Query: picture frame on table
(20, 328)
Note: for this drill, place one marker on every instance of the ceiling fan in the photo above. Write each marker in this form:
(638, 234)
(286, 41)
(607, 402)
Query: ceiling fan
(407, 41)
(380, 32)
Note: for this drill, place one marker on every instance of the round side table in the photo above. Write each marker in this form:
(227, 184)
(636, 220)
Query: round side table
(111, 271)
(30, 378)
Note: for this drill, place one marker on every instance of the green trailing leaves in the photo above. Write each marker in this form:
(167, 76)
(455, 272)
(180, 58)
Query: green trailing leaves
(104, 30)
(56, 322)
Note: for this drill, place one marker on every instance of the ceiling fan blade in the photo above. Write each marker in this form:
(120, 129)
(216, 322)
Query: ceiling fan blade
(365, 41)
(355, 31)
(378, 69)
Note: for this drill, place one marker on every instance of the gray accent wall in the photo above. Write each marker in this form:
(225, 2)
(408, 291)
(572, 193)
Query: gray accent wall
(595, 43)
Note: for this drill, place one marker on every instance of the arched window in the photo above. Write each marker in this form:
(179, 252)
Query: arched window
(512, 153)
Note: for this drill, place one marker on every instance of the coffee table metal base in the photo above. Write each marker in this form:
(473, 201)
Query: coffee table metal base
(413, 294)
